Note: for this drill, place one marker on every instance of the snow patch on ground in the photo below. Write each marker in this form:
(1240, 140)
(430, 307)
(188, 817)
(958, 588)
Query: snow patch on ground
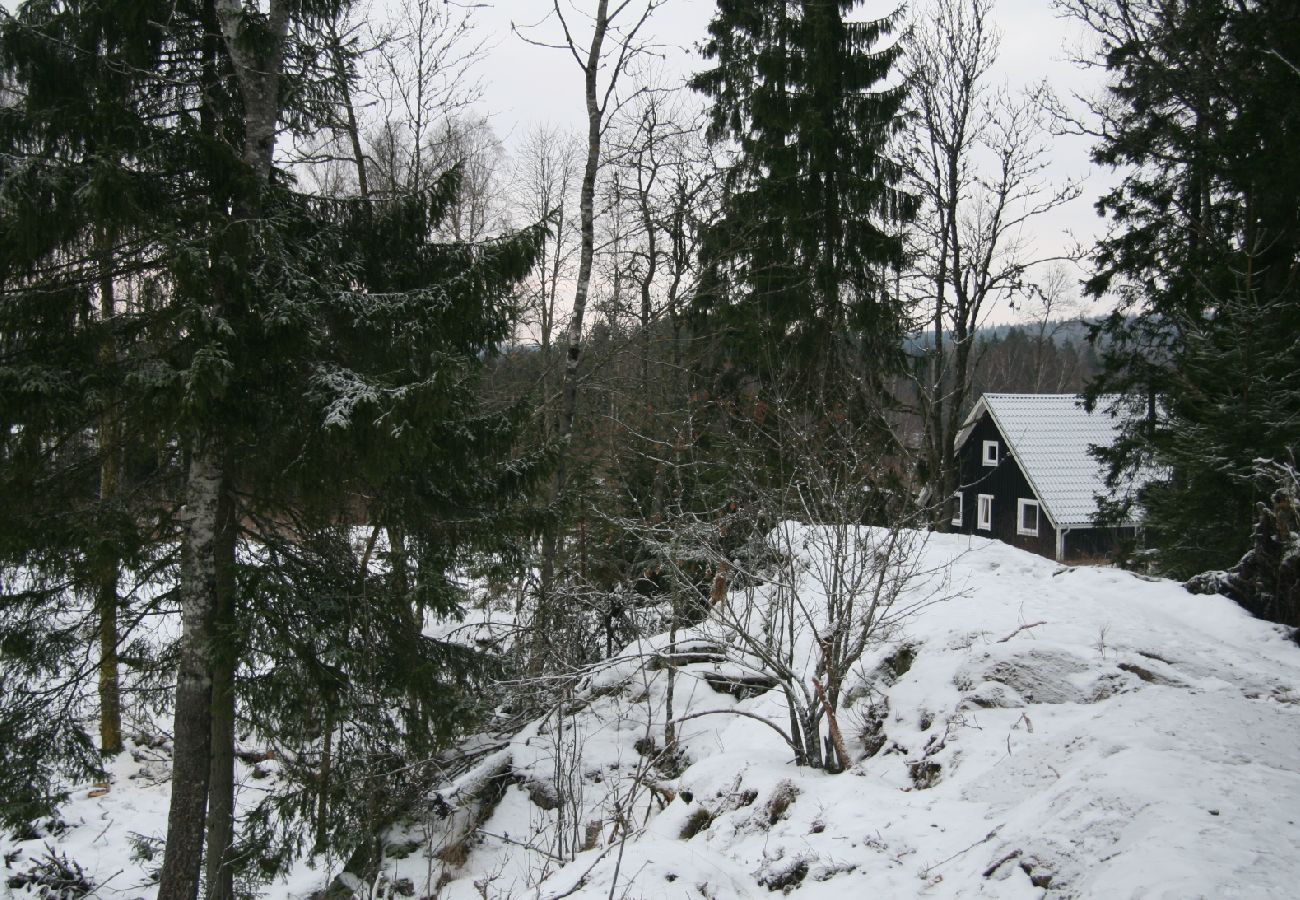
(1046, 731)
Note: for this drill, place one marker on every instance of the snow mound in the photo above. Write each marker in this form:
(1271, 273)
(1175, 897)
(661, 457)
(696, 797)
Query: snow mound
(1043, 731)
(1046, 731)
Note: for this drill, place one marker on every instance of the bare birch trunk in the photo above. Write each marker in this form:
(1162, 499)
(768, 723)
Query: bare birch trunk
(191, 734)
(207, 567)
(551, 540)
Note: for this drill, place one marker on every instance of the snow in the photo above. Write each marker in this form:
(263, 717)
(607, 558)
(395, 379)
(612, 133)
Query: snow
(1072, 732)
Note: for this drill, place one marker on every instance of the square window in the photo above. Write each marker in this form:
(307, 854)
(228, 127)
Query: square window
(956, 508)
(990, 453)
(1027, 517)
(984, 519)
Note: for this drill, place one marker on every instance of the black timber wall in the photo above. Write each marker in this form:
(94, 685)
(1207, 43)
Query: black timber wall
(1096, 543)
(1007, 484)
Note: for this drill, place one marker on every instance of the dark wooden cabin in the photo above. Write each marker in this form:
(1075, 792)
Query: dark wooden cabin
(1027, 477)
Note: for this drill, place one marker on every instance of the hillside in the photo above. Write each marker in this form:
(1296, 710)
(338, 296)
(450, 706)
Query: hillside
(1024, 730)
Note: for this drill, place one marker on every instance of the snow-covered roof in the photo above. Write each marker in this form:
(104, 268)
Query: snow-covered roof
(1049, 435)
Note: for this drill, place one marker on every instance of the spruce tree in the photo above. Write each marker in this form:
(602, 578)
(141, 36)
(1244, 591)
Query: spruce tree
(796, 263)
(311, 358)
(81, 491)
(1203, 253)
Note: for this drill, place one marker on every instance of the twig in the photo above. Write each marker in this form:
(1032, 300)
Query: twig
(943, 862)
(582, 879)
(1018, 630)
(509, 840)
(988, 873)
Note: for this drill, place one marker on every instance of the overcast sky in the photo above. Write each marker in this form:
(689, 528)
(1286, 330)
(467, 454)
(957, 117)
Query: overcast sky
(525, 84)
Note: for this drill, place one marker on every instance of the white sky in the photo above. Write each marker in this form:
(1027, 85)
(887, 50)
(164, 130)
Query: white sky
(524, 84)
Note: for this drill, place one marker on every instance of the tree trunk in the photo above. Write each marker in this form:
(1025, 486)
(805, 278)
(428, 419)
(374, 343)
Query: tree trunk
(192, 734)
(256, 66)
(326, 769)
(797, 735)
(225, 658)
(110, 697)
(107, 602)
(544, 622)
(645, 184)
(670, 727)
(350, 125)
(587, 219)
(110, 467)
(810, 722)
(833, 724)
(398, 564)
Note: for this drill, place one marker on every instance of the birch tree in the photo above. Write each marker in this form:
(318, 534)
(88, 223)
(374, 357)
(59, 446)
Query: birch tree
(605, 56)
(977, 157)
(546, 181)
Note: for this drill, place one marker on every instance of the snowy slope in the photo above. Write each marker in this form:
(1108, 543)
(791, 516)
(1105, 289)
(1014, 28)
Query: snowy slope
(1042, 732)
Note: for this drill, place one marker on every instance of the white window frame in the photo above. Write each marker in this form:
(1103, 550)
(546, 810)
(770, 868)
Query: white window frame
(990, 455)
(984, 522)
(1021, 505)
(957, 509)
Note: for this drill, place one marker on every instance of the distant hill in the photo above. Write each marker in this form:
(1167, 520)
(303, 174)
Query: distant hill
(1062, 331)
(1053, 357)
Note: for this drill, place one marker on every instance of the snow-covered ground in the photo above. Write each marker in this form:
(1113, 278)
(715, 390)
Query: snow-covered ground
(1042, 731)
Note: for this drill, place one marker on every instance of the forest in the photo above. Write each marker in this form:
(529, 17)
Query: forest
(301, 365)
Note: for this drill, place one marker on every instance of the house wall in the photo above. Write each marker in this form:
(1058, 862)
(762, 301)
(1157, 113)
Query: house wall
(1007, 484)
(1094, 543)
